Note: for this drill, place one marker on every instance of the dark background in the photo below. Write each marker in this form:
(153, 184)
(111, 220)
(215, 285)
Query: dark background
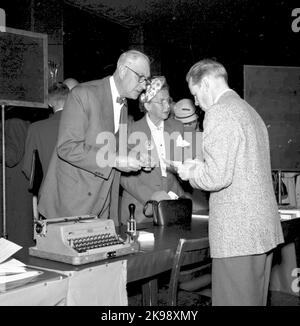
(235, 32)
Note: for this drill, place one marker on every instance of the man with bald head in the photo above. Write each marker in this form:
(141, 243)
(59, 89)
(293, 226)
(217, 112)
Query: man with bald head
(79, 182)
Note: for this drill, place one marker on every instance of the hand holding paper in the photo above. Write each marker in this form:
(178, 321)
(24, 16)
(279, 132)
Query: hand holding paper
(172, 166)
(187, 170)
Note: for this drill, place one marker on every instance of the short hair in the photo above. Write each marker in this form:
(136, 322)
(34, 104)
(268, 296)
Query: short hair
(131, 55)
(58, 91)
(206, 67)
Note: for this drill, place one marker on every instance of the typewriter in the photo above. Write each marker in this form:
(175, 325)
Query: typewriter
(79, 240)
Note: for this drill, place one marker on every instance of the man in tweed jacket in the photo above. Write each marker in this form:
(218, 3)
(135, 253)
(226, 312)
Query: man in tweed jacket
(244, 224)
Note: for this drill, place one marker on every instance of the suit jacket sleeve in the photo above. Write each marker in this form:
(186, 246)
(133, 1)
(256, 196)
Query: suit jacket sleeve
(221, 141)
(15, 133)
(30, 146)
(137, 189)
(74, 125)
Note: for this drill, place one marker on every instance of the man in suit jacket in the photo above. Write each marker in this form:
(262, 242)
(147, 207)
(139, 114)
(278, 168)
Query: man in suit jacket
(83, 175)
(19, 226)
(158, 136)
(42, 135)
(244, 224)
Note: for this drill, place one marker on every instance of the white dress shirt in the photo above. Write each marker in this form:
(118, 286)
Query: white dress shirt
(117, 106)
(157, 133)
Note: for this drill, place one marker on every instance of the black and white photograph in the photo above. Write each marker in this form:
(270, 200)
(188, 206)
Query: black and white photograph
(150, 156)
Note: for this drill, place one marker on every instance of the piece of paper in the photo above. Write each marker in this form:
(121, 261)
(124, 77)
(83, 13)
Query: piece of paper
(7, 249)
(200, 216)
(145, 236)
(293, 212)
(180, 142)
(18, 277)
(172, 195)
(12, 266)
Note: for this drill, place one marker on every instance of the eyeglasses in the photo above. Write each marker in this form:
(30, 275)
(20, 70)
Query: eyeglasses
(141, 78)
(167, 101)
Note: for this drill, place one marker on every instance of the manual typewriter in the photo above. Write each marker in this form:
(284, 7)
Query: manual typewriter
(79, 240)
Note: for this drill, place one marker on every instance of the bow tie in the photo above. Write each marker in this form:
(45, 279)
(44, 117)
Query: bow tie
(121, 100)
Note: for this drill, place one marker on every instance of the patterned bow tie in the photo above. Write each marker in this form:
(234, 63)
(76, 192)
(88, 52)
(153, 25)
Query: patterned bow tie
(121, 100)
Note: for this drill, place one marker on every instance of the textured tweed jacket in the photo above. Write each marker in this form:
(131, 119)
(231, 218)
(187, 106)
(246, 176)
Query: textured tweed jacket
(243, 213)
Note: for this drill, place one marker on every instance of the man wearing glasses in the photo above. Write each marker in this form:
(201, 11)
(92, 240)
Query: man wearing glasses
(77, 182)
(161, 134)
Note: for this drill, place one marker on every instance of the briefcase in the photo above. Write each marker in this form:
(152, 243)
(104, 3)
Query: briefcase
(170, 212)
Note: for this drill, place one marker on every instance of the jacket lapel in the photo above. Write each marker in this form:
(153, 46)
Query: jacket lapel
(108, 109)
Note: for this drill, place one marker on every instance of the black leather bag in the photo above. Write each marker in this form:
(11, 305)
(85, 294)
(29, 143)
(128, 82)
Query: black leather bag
(170, 212)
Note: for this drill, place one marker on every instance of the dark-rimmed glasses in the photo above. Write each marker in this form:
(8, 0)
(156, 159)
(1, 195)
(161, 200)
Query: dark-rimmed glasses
(141, 78)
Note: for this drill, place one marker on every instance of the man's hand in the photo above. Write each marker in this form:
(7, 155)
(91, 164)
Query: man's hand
(127, 164)
(187, 170)
(147, 162)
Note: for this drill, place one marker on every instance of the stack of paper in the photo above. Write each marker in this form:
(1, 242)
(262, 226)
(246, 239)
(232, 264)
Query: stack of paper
(11, 269)
(7, 249)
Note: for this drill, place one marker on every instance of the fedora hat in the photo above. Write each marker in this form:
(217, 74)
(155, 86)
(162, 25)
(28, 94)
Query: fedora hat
(185, 111)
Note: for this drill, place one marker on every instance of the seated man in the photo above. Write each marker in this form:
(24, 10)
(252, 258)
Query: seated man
(159, 132)
(185, 112)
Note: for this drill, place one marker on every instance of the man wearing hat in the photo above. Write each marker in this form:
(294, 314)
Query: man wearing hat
(185, 112)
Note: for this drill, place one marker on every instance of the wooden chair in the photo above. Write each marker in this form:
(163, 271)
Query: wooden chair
(194, 285)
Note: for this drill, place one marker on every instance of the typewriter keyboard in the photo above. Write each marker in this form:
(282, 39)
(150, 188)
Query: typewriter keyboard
(82, 244)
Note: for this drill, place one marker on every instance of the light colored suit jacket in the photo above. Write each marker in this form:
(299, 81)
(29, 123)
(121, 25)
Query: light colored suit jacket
(75, 184)
(139, 187)
(243, 213)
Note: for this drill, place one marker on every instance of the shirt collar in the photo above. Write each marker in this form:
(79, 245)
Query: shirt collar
(60, 109)
(114, 90)
(152, 126)
(222, 93)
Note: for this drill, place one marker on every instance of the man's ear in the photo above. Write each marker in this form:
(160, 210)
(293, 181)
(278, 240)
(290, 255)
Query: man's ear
(205, 82)
(122, 71)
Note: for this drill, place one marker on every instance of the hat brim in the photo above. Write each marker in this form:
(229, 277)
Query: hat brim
(188, 119)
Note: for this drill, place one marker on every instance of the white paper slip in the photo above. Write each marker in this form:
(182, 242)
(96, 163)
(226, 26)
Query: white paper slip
(145, 236)
(12, 266)
(7, 249)
(172, 195)
(294, 213)
(200, 216)
(284, 217)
